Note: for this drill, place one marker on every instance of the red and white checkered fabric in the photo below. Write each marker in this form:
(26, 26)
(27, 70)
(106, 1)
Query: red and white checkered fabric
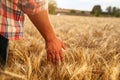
(12, 16)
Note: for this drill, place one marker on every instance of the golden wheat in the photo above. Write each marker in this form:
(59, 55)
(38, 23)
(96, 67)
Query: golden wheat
(93, 51)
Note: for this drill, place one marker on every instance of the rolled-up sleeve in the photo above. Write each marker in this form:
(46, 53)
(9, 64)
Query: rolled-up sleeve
(32, 6)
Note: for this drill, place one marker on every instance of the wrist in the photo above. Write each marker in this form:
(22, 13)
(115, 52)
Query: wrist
(49, 39)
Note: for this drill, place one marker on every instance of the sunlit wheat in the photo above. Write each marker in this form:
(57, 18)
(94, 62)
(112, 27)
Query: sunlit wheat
(93, 51)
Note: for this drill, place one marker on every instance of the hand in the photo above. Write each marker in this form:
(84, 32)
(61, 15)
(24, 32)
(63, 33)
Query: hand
(54, 50)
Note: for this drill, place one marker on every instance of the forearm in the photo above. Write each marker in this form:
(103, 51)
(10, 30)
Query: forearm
(42, 23)
(39, 17)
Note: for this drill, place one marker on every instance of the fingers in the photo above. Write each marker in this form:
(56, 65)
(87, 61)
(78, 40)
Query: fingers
(55, 57)
(50, 57)
(61, 56)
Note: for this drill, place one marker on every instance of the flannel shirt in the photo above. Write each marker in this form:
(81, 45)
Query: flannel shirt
(12, 16)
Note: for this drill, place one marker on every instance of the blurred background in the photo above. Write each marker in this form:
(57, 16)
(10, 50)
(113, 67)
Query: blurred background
(85, 7)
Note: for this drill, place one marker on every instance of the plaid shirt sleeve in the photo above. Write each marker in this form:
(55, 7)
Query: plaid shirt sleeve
(12, 16)
(32, 6)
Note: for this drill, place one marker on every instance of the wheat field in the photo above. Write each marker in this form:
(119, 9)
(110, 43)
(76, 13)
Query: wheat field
(93, 51)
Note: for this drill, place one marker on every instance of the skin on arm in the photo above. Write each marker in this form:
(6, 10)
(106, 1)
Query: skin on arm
(54, 45)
